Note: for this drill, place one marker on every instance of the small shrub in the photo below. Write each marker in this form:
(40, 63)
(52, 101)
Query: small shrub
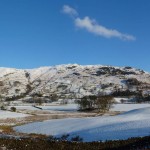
(76, 139)
(52, 138)
(3, 108)
(13, 109)
(64, 137)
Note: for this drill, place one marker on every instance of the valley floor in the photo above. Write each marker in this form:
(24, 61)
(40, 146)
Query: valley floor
(134, 121)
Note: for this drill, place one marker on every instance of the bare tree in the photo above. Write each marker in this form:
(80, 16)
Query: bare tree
(104, 103)
(84, 103)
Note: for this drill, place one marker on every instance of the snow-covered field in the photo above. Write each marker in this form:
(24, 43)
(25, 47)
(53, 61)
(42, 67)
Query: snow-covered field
(67, 108)
(74, 107)
(128, 107)
(8, 114)
(134, 122)
(129, 124)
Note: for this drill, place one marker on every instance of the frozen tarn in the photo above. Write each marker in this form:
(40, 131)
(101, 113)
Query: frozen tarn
(23, 107)
(68, 107)
(134, 123)
(8, 114)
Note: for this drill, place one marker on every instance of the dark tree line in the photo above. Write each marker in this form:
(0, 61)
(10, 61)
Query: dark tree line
(101, 103)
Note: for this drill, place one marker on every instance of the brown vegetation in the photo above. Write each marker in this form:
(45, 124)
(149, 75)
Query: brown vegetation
(45, 144)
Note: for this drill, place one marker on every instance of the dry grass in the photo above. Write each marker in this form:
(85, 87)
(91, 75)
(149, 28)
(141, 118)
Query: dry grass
(43, 144)
(40, 136)
(6, 129)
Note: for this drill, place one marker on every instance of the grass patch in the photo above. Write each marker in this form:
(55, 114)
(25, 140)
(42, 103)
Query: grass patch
(6, 129)
(40, 136)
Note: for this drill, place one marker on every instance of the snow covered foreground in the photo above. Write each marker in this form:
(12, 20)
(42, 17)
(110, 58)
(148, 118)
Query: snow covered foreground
(133, 123)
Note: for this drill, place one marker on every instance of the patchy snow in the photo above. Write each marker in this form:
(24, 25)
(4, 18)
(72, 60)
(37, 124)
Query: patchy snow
(120, 99)
(8, 114)
(134, 123)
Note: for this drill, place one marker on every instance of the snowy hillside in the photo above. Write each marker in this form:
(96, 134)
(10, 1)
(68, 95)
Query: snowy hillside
(72, 81)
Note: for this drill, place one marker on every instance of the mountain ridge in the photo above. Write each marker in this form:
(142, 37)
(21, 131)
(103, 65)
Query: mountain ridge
(72, 80)
(72, 64)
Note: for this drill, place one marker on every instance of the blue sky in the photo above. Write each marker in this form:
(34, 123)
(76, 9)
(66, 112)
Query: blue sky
(37, 33)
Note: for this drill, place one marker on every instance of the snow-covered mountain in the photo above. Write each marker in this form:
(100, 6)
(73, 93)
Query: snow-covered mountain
(72, 81)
